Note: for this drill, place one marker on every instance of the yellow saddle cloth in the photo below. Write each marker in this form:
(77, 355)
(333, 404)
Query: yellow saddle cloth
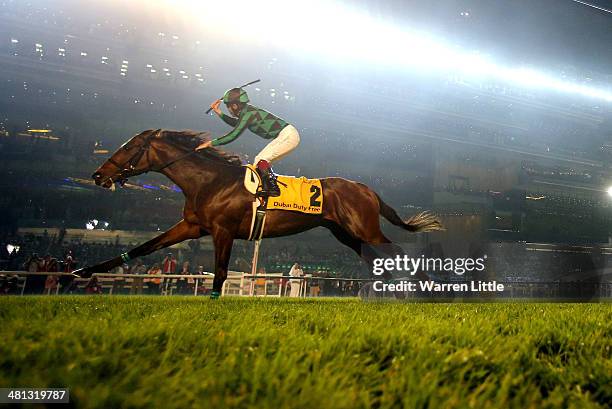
(297, 194)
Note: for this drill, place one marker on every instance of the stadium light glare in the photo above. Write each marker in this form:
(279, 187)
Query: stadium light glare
(610, 191)
(340, 33)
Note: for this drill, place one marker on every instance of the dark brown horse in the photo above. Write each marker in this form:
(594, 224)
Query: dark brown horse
(217, 203)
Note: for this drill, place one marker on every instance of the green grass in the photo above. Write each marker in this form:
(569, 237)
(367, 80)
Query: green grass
(124, 351)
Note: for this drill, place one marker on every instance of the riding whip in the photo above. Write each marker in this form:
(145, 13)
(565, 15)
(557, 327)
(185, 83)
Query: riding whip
(242, 86)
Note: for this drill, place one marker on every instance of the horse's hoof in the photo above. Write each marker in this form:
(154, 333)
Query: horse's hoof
(215, 295)
(84, 272)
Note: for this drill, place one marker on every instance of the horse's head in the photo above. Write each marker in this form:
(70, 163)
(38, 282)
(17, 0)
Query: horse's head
(131, 159)
(154, 150)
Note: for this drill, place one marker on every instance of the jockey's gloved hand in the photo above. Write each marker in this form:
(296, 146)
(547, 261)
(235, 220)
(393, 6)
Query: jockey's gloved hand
(215, 107)
(204, 145)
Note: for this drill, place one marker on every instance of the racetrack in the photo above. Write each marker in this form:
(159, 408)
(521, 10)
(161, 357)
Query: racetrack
(172, 352)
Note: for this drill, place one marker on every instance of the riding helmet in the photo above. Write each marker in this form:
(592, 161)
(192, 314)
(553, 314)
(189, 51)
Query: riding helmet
(235, 96)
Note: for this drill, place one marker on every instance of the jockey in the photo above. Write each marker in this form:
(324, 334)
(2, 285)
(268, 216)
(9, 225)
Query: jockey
(285, 138)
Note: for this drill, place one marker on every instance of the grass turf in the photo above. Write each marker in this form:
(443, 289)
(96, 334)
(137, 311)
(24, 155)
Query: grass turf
(127, 351)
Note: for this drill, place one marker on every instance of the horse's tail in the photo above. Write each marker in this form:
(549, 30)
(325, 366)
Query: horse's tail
(422, 222)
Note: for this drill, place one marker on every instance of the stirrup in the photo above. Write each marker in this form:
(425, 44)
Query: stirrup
(269, 185)
(269, 192)
(269, 189)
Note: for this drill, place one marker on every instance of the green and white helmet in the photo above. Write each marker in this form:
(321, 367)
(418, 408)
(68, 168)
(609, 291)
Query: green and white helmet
(235, 96)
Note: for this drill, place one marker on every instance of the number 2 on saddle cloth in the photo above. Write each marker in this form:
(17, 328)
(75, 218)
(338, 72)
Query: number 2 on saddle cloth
(297, 194)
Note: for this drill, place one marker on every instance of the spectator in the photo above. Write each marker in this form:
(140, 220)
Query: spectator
(35, 283)
(93, 286)
(9, 285)
(121, 269)
(139, 268)
(69, 262)
(33, 263)
(201, 288)
(12, 259)
(51, 266)
(296, 285)
(182, 285)
(315, 287)
(169, 264)
(154, 284)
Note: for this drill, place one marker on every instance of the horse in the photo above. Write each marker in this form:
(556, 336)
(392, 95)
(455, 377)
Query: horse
(217, 203)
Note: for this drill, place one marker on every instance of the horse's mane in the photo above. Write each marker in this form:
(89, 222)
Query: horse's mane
(189, 140)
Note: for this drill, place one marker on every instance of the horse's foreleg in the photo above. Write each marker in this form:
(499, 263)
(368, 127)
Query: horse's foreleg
(179, 232)
(223, 241)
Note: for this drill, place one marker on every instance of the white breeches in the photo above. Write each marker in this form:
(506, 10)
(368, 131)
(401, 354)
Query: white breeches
(287, 140)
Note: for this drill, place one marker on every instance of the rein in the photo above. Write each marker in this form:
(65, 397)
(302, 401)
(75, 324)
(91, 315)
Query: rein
(172, 162)
(183, 156)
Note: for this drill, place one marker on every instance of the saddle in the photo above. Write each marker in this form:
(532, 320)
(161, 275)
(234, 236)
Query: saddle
(297, 194)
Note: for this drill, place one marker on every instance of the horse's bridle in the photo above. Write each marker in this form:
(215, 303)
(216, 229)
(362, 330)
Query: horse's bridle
(128, 166)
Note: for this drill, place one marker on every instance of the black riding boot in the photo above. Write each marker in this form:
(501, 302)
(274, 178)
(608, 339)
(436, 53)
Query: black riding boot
(269, 186)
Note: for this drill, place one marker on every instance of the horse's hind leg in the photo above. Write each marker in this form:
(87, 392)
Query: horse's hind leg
(345, 238)
(370, 246)
(363, 248)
